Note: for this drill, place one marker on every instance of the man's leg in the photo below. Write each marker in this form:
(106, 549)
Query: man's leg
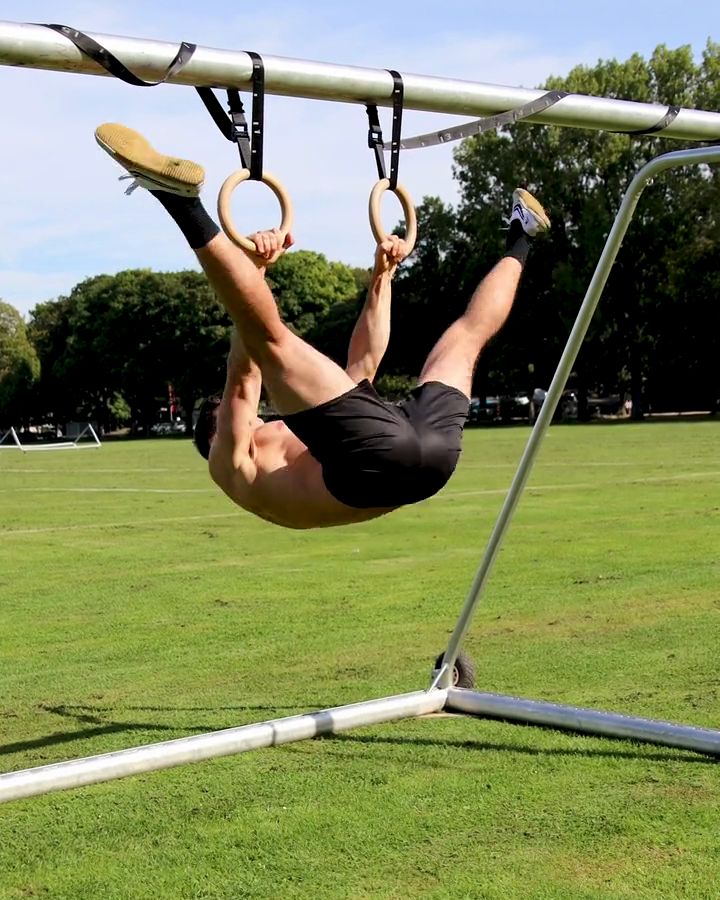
(296, 375)
(452, 360)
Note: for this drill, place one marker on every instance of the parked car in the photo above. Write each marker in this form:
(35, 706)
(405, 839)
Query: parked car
(568, 406)
(163, 428)
(514, 406)
(605, 406)
(484, 410)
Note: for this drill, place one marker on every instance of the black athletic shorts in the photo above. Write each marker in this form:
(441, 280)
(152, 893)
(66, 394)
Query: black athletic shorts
(377, 454)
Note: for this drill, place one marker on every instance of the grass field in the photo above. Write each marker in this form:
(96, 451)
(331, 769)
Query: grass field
(138, 605)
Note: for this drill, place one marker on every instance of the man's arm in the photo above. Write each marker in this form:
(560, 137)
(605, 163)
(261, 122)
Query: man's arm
(236, 415)
(371, 334)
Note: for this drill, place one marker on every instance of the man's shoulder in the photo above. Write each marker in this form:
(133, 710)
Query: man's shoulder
(274, 434)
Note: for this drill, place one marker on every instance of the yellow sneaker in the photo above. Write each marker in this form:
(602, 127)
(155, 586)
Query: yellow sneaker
(529, 213)
(148, 168)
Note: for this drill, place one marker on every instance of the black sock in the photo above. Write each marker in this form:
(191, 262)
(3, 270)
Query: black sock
(517, 242)
(191, 216)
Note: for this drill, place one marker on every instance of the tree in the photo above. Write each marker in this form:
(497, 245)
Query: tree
(306, 286)
(427, 295)
(128, 338)
(581, 176)
(131, 335)
(19, 367)
(48, 331)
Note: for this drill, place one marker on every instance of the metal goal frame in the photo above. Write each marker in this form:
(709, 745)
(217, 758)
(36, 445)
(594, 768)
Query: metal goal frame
(34, 46)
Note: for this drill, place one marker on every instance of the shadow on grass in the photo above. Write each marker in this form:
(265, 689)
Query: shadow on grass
(67, 737)
(100, 728)
(90, 713)
(668, 754)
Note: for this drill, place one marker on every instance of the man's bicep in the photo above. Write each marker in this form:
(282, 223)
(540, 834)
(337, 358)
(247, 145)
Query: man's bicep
(236, 422)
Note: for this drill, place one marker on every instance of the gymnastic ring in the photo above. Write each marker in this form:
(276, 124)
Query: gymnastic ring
(408, 208)
(229, 185)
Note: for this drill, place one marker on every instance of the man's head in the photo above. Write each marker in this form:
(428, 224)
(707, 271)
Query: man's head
(205, 426)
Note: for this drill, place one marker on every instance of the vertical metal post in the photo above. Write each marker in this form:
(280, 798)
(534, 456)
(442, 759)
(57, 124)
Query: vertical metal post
(695, 156)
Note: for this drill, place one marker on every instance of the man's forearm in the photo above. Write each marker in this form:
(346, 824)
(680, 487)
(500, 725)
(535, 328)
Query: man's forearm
(371, 334)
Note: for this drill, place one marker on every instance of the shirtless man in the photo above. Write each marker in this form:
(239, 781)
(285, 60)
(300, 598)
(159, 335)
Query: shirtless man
(340, 454)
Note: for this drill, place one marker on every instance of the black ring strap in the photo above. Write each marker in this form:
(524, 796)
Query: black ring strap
(112, 64)
(670, 116)
(479, 126)
(398, 96)
(258, 116)
(234, 126)
(375, 137)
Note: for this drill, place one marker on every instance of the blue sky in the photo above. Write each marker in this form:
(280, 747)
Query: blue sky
(64, 213)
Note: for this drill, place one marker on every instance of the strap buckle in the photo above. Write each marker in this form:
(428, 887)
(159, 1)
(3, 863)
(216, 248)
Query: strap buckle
(375, 136)
(234, 125)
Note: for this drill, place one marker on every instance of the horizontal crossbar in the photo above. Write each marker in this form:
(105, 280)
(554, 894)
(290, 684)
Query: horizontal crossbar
(35, 46)
(581, 720)
(231, 741)
(167, 754)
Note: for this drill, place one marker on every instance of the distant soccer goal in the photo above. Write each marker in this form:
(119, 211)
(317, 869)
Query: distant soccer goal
(86, 439)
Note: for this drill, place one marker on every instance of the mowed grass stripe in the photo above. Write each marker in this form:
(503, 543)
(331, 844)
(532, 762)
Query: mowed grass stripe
(193, 617)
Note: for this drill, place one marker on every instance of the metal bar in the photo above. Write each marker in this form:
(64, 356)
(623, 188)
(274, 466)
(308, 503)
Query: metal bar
(696, 156)
(584, 721)
(93, 434)
(165, 755)
(34, 448)
(16, 441)
(33, 46)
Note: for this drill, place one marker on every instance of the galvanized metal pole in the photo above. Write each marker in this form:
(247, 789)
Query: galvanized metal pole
(165, 755)
(696, 156)
(583, 721)
(33, 46)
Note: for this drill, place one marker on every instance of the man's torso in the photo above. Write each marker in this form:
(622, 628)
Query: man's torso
(348, 460)
(284, 483)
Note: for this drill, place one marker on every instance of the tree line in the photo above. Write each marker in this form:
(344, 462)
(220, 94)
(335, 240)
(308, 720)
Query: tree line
(112, 349)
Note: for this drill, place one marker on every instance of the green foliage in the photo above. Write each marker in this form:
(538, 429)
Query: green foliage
(395, 387)
(120, 410)
(131, 335)
(307, 286)
(656, 332)
(650, 331)
(19, 367)
(112, 348)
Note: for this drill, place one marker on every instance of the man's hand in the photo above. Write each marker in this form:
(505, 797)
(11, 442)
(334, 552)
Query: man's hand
(270, 247)
(389, 254)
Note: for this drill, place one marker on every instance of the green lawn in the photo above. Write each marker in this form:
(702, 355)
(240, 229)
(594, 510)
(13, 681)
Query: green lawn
(138, 605)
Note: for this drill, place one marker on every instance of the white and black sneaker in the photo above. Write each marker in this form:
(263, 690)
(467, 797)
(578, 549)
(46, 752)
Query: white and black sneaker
(148, 168)
(529, 213)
